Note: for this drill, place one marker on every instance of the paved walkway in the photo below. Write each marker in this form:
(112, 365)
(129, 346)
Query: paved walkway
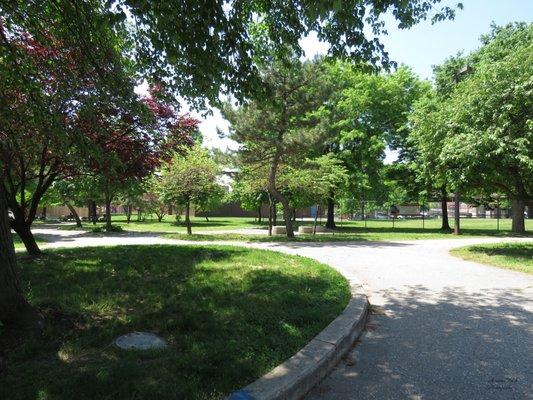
(443, 328)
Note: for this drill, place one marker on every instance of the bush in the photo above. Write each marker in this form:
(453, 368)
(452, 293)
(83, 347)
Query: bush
(102, 229)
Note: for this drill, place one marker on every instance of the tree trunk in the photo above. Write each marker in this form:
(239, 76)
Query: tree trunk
(287, 217)
(274, 213)
(187, 217)
(444, 207)
(107, 212)
(15, 311)
(278, 196)
(44, 212)
(270, 212)
(456, 213)
(74, 214)
(517, 210)
(23, 229)
(93, 213)
(293, 214)
(330, 223)
(259, 216)
(206, 218)
(363, 216)
(129, 211)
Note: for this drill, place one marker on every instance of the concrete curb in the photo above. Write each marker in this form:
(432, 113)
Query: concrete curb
(295, 377)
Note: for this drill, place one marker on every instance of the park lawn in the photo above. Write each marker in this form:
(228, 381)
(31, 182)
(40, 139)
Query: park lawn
(375, 230)
(169, 224)
(404, 229)
(229, 315)
(515, 256)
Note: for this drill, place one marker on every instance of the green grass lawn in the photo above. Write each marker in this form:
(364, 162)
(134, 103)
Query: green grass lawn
(229, 314)
(515, 256)
(407, 229)
(169, 223)
(375, 230)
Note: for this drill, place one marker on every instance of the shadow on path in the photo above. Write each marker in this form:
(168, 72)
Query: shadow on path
(448, 345)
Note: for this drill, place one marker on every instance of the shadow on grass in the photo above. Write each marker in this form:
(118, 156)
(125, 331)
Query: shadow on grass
(229, 315)
(518, 251)
(450, 344)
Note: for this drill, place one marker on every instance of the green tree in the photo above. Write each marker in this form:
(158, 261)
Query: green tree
(250, 191)
(314, 181)
(367, 112)
(189, 179)
(426, 143)
(489, 120)
(285, 127)
(234, 34)
(475, 134)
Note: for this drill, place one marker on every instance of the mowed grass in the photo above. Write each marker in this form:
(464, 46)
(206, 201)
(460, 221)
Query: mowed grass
(169, 224)
(515, 256)
(375, 230)
(229, 314)
(403, 229)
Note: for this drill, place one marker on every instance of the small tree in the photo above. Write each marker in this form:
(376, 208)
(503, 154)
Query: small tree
(154, 200)
(250, 191)
(314, 181)
(189, 179)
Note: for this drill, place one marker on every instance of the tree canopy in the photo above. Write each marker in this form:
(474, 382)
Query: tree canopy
(477, 135)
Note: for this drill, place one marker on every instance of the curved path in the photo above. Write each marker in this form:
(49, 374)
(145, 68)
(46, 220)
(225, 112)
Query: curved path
(442, 328)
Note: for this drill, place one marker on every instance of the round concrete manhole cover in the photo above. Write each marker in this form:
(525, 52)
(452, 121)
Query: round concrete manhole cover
(140, 341)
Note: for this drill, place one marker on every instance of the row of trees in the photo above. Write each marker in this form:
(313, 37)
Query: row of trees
(320, 132)
(472, 133)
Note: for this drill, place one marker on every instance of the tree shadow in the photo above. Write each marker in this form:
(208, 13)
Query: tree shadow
(520, 251)
(447, 345)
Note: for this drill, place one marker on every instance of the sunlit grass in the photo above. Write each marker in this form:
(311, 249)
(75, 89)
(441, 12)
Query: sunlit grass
(515, 256)
(402, 229)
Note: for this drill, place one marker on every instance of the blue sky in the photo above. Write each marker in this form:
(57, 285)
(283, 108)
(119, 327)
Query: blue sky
(422, 46)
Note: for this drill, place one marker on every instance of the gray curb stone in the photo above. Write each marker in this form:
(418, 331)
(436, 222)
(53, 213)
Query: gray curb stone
(295, 377)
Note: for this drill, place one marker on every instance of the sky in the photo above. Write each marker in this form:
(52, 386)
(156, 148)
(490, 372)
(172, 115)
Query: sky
(420, 47)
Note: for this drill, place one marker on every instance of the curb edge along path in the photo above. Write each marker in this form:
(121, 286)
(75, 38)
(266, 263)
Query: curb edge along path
(295, 377)
(450, 328)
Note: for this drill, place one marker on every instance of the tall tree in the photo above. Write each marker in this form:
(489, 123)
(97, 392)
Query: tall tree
(426, 143)
(367, 112)
(285, 127)
(53, 67)
(476, 134)
(490, 139)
